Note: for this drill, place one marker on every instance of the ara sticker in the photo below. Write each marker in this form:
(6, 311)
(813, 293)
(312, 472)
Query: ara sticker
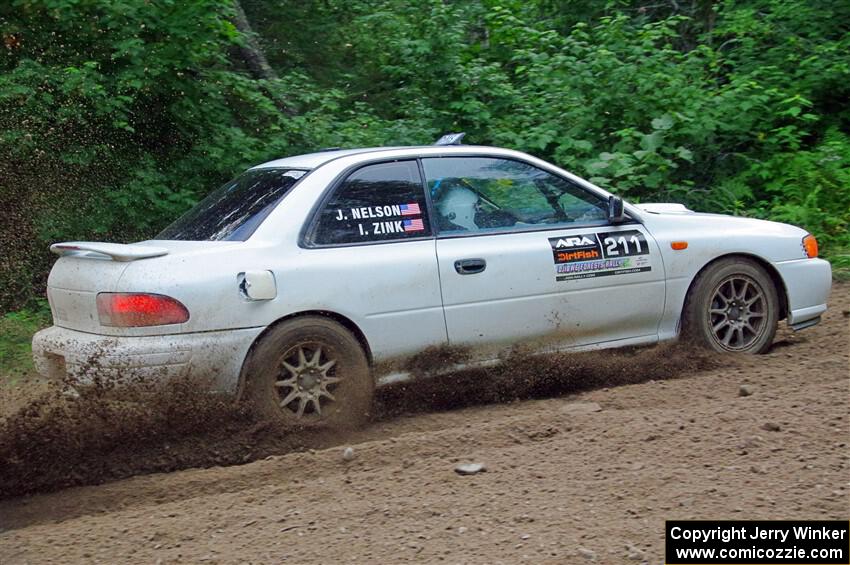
(599, 254)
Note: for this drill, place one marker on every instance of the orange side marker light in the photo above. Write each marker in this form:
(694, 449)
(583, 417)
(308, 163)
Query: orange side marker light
(810, 245)
(679, 245)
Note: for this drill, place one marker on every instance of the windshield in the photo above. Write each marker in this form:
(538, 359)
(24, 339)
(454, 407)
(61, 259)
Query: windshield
(233, 212)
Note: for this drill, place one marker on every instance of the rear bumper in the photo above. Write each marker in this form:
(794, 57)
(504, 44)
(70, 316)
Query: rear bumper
(60, 353)
(808, 283)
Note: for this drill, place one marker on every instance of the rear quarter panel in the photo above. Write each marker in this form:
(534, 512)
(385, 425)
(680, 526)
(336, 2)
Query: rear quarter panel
(205, 281)
(72, 288)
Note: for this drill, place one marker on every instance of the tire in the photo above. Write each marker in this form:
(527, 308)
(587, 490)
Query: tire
(732, 307)
(286, 381)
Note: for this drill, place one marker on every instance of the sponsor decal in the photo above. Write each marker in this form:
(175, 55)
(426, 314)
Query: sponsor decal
(600, 254)
(578, 241)
(601, 265)
(578, 255)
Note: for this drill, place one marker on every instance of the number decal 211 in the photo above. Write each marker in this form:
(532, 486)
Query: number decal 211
(613, 246)
(624, 244)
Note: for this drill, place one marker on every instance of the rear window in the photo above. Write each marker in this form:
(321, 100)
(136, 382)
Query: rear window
(233, 212)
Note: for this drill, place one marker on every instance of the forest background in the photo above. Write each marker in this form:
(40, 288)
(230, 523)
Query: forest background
(117, 115)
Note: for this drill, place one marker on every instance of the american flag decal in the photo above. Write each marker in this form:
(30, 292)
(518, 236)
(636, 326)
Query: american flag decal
(410, 209)
(414, 225)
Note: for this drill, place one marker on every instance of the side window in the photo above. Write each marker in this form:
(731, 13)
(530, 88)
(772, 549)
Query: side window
(376, 203)
(484, 193)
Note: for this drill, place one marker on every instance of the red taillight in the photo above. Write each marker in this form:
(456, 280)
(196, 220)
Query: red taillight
(130, 309)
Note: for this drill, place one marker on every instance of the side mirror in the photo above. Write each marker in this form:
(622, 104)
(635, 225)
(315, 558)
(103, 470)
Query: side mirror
(615, 210)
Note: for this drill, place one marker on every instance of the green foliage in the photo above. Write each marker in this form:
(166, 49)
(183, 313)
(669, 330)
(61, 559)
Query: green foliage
(117, 115)
(16, 329)
(810, 188)
(706, 106)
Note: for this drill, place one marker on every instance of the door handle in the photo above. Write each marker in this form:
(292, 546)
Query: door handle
(470, 266)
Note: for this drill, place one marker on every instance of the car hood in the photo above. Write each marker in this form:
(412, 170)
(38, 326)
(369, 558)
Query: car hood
(663, 208)
(721, 234)
(678, 215)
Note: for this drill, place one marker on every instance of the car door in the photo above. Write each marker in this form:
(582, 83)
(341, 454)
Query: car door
(370, 256)
(526, 255)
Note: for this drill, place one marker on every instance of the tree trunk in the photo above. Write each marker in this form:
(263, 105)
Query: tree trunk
(252, 54)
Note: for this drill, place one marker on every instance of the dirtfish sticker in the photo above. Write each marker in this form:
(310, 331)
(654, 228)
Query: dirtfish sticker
(600, 254)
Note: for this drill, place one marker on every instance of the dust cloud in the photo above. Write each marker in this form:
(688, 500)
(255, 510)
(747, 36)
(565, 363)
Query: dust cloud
(110, 431)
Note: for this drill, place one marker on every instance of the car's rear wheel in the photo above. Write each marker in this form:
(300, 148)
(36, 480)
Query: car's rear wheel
(310, 372)
(732, 307)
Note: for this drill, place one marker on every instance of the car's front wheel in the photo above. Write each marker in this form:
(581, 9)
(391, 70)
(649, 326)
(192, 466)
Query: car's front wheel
(311, 372)
(733, 306)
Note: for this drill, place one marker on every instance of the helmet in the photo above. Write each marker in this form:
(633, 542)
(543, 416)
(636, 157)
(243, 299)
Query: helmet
(459, 205)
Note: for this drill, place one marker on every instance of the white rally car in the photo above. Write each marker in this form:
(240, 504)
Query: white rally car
(307, 280)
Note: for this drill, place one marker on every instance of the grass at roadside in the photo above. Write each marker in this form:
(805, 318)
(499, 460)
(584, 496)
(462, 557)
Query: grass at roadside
(16, 329)
(840, 265)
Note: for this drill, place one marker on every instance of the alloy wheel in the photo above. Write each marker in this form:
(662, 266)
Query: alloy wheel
(307, 377)
(737, 313)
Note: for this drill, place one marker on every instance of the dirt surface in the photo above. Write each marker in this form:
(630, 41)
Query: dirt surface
(570, 476)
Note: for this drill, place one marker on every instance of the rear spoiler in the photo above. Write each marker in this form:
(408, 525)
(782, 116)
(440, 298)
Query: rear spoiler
(115, 251)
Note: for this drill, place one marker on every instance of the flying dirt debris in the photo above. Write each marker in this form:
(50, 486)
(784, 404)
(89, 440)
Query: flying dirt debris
(55, 441)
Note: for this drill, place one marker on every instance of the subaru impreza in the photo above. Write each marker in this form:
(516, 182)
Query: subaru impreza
(308, 280)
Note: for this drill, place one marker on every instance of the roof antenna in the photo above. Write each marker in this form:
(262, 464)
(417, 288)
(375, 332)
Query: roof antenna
(450, 139)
